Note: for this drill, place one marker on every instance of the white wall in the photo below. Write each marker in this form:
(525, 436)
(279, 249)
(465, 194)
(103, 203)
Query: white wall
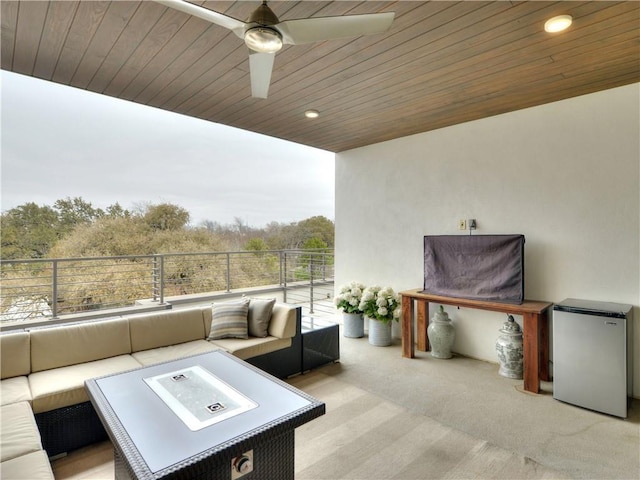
(566, 175)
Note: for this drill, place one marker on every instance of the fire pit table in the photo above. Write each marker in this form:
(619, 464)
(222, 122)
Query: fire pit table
(206, 416)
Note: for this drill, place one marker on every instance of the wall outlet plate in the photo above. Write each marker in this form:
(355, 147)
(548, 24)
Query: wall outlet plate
(462, 224)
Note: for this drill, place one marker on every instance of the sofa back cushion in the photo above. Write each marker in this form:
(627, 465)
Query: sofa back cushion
(259, 317)
(170, 327)
(283, 321)
(54, 347)
(15, 355)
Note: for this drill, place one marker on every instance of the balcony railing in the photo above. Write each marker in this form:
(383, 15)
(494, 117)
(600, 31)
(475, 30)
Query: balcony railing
(41, 289)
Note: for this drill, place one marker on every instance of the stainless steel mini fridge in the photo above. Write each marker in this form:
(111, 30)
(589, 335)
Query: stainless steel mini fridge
(593, 355)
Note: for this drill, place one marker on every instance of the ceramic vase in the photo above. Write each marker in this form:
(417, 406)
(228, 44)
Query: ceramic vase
(509, 349)
(441, 333)
(353, 325)
(379, 333)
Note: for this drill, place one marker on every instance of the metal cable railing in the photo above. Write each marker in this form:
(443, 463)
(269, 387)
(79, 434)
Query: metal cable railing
(39, 289)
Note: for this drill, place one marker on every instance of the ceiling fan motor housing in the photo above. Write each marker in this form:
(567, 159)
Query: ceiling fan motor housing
(264, 16)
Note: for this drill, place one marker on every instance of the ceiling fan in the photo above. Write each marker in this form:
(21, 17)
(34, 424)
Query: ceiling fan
(264, 34)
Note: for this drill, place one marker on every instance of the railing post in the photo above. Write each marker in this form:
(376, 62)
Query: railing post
(154, 278)
(54, 290)
(324, 265)
(228, 272)
(280, 253)
(161, 279)
(284, 277)
(311, 284)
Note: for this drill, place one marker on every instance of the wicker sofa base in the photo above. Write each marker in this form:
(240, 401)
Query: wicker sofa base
(282, 363)
(69, 428)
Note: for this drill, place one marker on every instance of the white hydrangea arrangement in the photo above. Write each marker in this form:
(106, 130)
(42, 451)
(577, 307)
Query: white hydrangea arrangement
(381, 304)
(349, 296)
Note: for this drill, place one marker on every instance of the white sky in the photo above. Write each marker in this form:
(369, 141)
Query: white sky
(59, 141)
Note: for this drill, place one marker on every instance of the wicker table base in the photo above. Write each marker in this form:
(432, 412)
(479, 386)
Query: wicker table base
(273, 459)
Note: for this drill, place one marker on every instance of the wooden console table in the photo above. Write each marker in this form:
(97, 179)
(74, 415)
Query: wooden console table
(535, 331)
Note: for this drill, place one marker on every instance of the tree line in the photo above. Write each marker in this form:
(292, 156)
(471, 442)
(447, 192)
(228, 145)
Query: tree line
(73, 227)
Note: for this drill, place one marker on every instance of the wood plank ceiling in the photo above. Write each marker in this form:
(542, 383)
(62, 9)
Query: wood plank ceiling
(441, 63)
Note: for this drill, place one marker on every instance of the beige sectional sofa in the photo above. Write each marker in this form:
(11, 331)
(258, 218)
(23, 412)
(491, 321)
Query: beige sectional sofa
(45, 368)
(21, 449)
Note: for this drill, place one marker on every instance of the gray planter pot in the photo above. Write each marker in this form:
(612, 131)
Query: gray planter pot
(353, 325)
(379, 333)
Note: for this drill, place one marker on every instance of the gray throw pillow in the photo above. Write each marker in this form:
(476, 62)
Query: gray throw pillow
(260, 316)
(229, 320)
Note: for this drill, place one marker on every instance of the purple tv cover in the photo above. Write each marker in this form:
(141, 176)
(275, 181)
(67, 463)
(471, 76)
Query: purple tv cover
(477, 267)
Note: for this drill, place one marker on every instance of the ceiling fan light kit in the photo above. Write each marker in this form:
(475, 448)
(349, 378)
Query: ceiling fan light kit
(264, 34)
(263, 40)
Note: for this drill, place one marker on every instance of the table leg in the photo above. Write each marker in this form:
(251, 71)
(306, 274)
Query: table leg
(544, 347)
(531, 351)
(423, 322)
(408, 348)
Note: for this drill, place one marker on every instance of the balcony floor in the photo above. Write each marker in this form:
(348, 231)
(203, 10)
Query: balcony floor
(391, 417)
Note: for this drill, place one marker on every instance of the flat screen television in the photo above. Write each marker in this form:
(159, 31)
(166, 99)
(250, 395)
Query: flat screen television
(477, 267)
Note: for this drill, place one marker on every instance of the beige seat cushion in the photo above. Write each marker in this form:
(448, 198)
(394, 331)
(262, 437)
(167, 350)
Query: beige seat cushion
(252, 347)
(167, 328)
(14, 390)
(64, 386)
(15, 355)
(19, 433)
(33, 466)
(172, 352)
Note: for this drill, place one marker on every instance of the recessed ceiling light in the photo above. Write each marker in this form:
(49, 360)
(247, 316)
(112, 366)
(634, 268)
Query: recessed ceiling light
(558, 24)
(312, 114)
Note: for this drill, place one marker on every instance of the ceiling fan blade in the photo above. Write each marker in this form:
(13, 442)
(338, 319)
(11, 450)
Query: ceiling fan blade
(307, 30)
(236, 26)
(260, 67)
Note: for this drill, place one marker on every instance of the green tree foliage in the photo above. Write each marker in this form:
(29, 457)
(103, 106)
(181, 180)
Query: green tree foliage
(317, 227)
(314, 243)
(294, 235)
(166, 216)
(28, 231)
(116, 211)
(75, 211)
(72, 227)
(314, 262)
(105, 237)
(132, 236)
(256, 244)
